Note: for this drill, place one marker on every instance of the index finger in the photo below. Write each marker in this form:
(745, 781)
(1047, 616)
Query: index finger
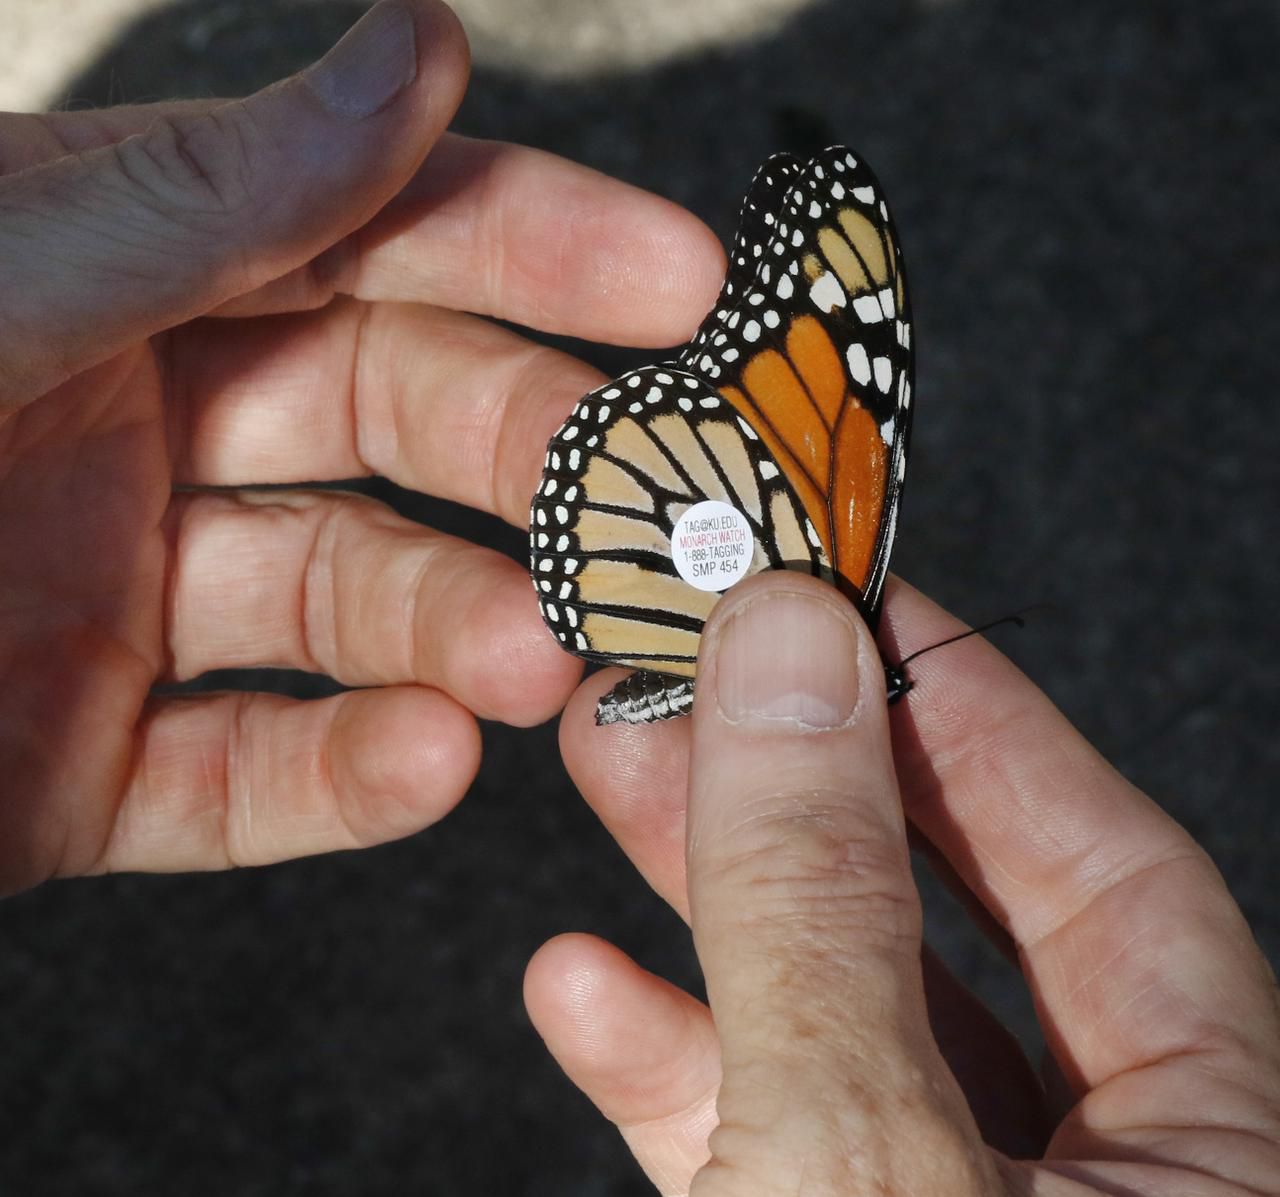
(513, 232)
(1130, 940)
(482, 226)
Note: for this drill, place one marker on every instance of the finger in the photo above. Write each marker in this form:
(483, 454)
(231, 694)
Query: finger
(437, 401)
(1132, 944)
(805, 915)
(105, 248)
(636, 779)
(644, 1051)
(483, 226)
(341, 585)
(248, 779)
(524, 235)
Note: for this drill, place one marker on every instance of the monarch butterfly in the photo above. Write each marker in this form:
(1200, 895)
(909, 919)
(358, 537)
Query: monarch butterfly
(776, 439)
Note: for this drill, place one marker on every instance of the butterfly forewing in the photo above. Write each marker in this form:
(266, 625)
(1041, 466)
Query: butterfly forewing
(791, 404)
(817, 359)
(756, 219)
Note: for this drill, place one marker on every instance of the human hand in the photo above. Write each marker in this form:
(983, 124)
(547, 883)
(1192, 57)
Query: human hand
(836, 1063)
(120, 231)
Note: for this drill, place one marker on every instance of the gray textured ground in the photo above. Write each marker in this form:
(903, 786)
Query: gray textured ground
(1088, 199)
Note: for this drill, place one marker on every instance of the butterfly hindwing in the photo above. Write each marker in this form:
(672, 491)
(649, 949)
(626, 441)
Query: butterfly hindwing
(632, 458)
(791, 404)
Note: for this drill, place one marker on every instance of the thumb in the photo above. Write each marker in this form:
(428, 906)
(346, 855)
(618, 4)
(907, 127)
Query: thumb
(804, 912)
(105, 248)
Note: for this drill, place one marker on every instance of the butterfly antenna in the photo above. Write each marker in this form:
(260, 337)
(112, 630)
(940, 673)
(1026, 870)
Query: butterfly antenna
(898, 683)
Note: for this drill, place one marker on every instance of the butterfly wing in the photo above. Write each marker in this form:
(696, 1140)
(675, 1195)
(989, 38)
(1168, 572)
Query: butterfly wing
(791, 404)
(632, 458)
(816, 355)
(764, 199)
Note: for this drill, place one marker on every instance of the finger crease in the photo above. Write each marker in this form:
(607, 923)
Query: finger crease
(319, 561)
(237, 805)
(1175, 857)
(525, 366)
(359, 348)
(415, 645)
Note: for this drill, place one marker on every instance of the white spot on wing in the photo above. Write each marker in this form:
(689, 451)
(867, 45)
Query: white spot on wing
(884, 373)
(867, 309)
(827, 294)
(859, 366)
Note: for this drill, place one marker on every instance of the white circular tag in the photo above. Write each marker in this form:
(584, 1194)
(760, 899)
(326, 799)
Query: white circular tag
(712, 546)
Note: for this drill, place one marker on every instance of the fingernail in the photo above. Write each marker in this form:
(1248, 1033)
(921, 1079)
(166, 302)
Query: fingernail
(788, 658)
(369, 67)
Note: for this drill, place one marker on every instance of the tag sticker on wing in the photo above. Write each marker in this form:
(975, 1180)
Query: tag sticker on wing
(712, 546)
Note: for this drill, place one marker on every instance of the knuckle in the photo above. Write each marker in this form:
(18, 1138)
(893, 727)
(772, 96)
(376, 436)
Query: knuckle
(819, 872)
(200, 166)
(896, 1136)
